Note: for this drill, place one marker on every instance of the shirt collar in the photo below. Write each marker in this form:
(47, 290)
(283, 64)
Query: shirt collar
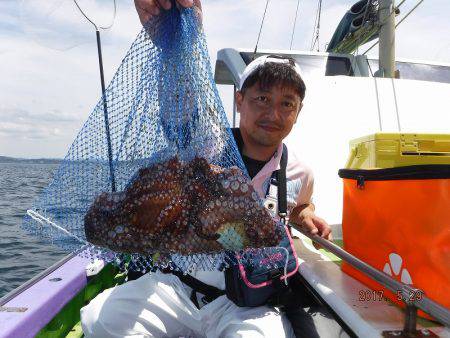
(240, 144)
(266, 172)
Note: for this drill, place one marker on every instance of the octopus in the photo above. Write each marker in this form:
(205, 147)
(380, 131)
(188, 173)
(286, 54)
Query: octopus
(181, 207)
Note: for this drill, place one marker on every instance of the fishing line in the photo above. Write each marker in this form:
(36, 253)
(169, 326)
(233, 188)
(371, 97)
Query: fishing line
(92, 22)
(316, 32)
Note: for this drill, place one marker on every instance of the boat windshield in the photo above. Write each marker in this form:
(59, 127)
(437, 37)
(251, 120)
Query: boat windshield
(419, 71)
(315, 64)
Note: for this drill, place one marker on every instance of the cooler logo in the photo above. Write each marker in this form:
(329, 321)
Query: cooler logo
(394, 268)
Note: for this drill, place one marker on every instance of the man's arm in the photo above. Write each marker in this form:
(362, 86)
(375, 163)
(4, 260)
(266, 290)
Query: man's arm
(147, 9)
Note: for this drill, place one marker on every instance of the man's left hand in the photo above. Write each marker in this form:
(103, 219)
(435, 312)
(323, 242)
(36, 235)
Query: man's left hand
(307, 219)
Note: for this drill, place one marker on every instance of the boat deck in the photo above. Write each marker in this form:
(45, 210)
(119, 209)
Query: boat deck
(366, 318)
(44, 306)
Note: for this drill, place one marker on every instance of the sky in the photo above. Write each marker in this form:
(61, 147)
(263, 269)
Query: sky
(49, 80)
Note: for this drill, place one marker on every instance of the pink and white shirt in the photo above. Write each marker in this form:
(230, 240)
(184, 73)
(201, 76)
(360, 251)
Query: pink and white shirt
(299, 179)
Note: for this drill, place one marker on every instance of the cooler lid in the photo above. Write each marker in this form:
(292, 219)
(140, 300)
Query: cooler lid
(411, 143)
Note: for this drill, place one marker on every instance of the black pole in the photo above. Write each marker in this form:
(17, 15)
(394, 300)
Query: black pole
(410, 320)
(105, 111)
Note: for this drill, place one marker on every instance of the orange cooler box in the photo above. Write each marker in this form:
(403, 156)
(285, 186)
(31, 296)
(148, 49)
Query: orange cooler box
(398, 221)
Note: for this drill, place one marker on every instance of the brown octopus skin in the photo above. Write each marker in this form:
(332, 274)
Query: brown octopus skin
(153, 198)
(240, 202)
(165, 209)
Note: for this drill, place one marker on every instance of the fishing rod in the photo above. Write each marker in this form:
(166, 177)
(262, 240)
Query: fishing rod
(102, 81)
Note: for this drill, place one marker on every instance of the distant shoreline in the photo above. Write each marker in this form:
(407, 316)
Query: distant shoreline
(7, 159)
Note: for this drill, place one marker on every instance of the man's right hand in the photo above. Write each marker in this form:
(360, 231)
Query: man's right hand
(147, 9)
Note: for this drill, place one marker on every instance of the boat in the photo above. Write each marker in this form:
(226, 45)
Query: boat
(48, 305)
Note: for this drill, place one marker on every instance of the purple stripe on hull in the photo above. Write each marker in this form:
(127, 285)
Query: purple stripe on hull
(43, 300)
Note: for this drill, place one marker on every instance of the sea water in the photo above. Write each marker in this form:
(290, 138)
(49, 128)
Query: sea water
(22, 256)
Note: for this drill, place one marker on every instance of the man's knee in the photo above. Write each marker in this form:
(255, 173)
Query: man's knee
(258, 322)
(151, 306)
(93, 318)
(242, 330)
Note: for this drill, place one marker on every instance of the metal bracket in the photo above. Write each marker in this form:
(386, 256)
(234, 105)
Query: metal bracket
(12, 309)
(379, 73)
(410, 327)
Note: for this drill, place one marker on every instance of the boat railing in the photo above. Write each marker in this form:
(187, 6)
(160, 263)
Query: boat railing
(15, 292)
(423, 303)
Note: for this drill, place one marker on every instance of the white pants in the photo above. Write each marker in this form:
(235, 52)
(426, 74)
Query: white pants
(158, 305)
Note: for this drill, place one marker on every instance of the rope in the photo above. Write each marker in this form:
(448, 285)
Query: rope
(92, 22)
(42, 220)
(318, 24)
(406, 15)
(401, 3)
(260, 28)
(316, 33)
(286, 262)
(295, 22)
(396, 105)
(377, 96)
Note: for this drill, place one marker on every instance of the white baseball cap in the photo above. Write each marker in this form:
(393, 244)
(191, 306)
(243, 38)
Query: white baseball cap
(252, 66)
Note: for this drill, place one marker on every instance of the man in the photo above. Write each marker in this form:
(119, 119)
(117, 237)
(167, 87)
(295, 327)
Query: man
(159, 305)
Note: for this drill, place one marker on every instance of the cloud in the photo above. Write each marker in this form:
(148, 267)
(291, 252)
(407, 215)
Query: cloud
(53, 92)
(26, 117)
(38, 126)
(46, 94)
(24, 131)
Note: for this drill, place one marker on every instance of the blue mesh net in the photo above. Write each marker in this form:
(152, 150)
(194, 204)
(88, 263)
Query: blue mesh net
(154, 176)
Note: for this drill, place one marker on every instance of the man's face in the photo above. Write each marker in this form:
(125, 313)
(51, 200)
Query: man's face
(267, 116)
